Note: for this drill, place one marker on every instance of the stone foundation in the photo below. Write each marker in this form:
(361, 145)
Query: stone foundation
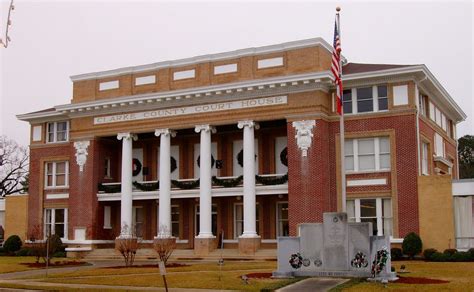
(203, 246)
(249, 245)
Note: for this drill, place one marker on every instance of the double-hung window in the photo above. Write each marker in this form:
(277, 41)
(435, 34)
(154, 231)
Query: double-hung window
(57, 174)
(175, 221)
(239, 219)
(365, 99)
(424, 159)
(283, 227)
(378, 211)
(367, 154)
(58, 132)
(55, 222)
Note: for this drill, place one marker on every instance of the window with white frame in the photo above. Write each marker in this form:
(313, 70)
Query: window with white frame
(367, 154)
(239, 219)
(365, 99)
(437, 116)
(422, 104)
(57, 174)
(283, 226)
(214, 219)
(58, 132)
(424, 158)
(175, 221)
(55, 222)
(378, 211)
(439, 145)
(138, 219)
(107, 167)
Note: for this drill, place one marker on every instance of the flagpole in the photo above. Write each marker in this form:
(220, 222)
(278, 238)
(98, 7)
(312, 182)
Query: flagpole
(341, 125)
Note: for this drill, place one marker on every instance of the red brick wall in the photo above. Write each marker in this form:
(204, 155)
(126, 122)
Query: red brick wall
(309, 179)
(83, 204)
(36, 186)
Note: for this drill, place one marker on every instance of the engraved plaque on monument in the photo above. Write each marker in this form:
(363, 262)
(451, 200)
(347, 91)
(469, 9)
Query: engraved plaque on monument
(311, 245)
(359, 247)
(335, 254)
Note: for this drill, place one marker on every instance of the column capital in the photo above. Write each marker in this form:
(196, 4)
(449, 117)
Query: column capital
(205, 128)
(248, 123)
(165, 132)
(127, 136)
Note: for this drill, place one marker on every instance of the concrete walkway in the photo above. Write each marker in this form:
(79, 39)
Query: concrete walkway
(313, 285)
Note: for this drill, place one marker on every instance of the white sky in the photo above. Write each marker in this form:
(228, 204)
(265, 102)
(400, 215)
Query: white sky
(56, 39)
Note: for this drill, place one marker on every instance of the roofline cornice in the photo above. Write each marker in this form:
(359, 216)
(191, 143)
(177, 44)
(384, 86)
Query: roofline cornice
(207, 58)
(412, 70)
(97, 107)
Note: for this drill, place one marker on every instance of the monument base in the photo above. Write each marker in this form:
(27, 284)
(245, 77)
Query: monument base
(249, 245)
(203, 246)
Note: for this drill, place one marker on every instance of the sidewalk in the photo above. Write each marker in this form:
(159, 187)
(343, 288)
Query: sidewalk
(313, 285)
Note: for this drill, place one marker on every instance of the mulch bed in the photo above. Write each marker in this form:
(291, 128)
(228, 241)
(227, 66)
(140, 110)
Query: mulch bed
(259, 275)
(55, 264)
(155, 266)
(416, 280)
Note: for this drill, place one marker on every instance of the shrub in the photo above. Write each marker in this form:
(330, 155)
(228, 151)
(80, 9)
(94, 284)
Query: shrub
(450, 251)
(59, 254)
(471, 252)
(396, 254)
(412, 244)
(439, 257)
(24, 252)
(427, 253)
(460, 257)
(12, 244)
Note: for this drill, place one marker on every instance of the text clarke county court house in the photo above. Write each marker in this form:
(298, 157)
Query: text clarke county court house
(96, 162)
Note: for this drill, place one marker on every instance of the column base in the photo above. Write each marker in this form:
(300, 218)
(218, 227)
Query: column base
(203, 246)
(249, 245)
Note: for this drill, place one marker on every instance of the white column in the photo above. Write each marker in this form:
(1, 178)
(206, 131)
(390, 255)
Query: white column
(126, 201)
(164, 220)
(205, 182)
(250, 229)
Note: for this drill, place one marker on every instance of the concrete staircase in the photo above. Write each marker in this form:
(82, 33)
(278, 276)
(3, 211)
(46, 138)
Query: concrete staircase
(182, 254)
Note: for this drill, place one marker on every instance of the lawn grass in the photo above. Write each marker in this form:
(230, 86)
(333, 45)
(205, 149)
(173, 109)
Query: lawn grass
(14, 264)
(460, 275)
(202, 275)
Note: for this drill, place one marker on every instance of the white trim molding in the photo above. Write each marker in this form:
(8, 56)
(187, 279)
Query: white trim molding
(367, 182)
(57, 196)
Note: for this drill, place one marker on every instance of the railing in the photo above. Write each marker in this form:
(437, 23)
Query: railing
(464, 242)
(187, 184)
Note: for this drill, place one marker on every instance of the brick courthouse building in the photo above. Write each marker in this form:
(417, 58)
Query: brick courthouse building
(264, 123)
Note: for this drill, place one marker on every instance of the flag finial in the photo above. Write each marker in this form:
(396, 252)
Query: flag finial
(338, 8)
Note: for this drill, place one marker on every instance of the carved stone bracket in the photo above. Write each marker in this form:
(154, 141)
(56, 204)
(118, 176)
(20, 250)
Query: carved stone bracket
(81, 153)
(304, 135)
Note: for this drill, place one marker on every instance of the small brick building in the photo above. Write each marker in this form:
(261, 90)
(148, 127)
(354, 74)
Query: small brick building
(124, 156)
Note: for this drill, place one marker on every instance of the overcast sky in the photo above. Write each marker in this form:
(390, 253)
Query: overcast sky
(54, 40)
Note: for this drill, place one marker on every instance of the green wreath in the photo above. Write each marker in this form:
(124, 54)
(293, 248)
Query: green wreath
(240, 157)
(198, 160)
(284, 157)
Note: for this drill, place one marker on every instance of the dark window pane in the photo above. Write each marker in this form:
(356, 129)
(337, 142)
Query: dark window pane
(382, 91)
(383, 104)
(347, 107)
(374, 224)
(59, 230)
(59, 216)
(365, 105)
(347, 95)
(364, 93)
(175, 230)
(367, 208)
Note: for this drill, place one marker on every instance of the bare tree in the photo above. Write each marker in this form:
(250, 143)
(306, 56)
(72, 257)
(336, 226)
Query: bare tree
(127, 245)
(164, 245)
(14, 160)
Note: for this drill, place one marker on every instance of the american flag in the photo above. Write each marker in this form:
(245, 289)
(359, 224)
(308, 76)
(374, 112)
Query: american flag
(336, 66)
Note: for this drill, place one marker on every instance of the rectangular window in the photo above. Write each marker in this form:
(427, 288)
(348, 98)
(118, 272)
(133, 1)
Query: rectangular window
(224, 69)
(422, 104)
(108, 85)
(138, 219)
(58, 132)
(439, 144)
(55, 222)
(347, 101)
(377, 211)
(57, 174)
(107, 217)
(382, 97)
(283, 227)
(107, 168)
(269, 63)
(424, 158)
(186, 74)
(432, 111)
(239, 219)
(365, 100)
(214, 220)
(175, 220)
(143, 80)
(367, 154)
